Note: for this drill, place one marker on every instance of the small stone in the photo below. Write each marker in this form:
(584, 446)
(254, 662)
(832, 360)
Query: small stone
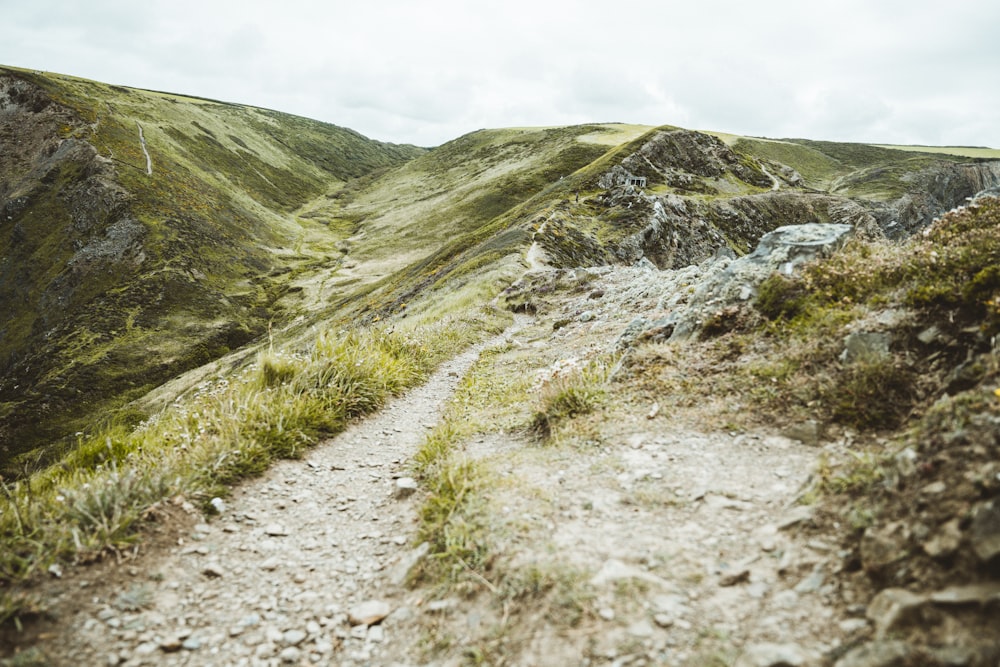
(359, 631)
(934, 488)
(213, 570)
(893, 607)
(290, 655)
(191, 644)
(796, 516)
(812, 583)
(607, 613)
(945, 542)
(146, 648)
(376, 634)
(276, 530)
(113, 660)
(641, 629)
(809, 432)
(400, 572)
(218, 505)
(736, 577)
(984, 533)
(981, 594)
(865, 345)
(851, 625)
(883, 546)
(663, 620)
(368, 612)
(587, 316)
(271, 564)
(293, 637)
(441, 606)
(877, 654)
(56, 570)
(313, 628)
(405, 487)
(773, 655)
(171, 644)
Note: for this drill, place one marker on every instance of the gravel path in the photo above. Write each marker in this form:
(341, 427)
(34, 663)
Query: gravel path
(275, 578)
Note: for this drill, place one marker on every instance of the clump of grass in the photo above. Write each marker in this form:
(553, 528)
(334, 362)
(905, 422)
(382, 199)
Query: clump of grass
(873, 393)
(227, 429)
(452, 521)
(568, 395)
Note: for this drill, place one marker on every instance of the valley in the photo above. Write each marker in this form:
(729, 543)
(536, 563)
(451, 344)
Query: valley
(598, 394)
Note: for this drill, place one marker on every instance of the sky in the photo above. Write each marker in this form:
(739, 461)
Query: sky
(427, 71)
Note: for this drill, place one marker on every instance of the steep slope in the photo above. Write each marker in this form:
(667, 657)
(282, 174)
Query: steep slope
(143, 234)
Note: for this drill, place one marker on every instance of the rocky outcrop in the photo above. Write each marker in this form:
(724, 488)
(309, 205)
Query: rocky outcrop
(684, 159)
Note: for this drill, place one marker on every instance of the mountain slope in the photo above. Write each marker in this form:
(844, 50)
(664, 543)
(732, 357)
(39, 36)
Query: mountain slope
(117, 276)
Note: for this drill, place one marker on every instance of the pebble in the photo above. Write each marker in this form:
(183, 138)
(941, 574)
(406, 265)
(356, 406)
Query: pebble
(405, 487)
(368, 612)
(290, 655)
(191, 644)
(213, 570)
(663, 620)
(607, 613)
(171, 644)
(293, 637)
(276, 530)
(376, 634)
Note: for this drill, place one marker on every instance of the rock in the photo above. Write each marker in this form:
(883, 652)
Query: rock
(276, 530)
(290, 655)
(271, 564)
(809, 432)
(670, 605)
(607, 613)
(442, 606)
(587, 316)
(883, 546)
(851, 625)
(376, 634)
(865, 346)
(55, 570)
(934, 488)
(796, 516)
(293, 637)
(615, 570)
(191, 644)
(774, 655)
(641, 629)
(213, 570)
(146, 649)
(405, 487)
(737, 576)
(812, 583)
(906, 462)
(892, 608)
(984, 533)
(368, 612)
(981, 594)
(400, 572)
(945, 541)
(663, 620)
(878, 654)
(218, 505)
(171, 644)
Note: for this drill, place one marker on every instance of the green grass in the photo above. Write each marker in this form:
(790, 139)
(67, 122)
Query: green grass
(232, 427)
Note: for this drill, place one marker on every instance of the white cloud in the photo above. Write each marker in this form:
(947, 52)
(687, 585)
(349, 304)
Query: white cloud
(919, 71)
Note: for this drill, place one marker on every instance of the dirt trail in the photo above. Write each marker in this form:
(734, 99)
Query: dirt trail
(270, 581)
(657, 542)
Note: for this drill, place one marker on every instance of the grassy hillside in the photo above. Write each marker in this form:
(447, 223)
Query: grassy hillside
(115, 279)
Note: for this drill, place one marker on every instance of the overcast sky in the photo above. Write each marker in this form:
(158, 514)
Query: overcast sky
(426, 71)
